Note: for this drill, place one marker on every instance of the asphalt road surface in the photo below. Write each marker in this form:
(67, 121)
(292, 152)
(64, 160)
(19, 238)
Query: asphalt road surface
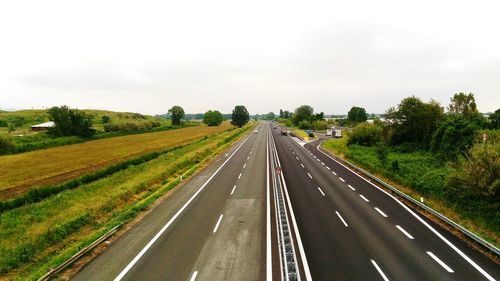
(352, 230)
(223, 224)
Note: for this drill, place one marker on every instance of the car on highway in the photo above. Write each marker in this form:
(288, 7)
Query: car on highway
(256, 131)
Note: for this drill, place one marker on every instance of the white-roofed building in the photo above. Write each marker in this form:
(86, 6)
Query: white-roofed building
(43, 126)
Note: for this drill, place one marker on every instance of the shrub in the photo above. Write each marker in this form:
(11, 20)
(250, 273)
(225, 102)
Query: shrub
(5, 144)
(366, 134)
(304, 125)
(319, 125)
(213, 118)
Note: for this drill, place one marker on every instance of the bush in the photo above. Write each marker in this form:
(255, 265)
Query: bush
(213, 118)
(304, 125)
(479, 171)
(366, 134)
(454, 136)
(130, 126)
(70, 122)
(319, 125)
(5, 144)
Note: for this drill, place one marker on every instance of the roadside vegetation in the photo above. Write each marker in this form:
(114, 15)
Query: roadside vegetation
(449, 158)
(22, 172)
(38, 236)
(73, 126)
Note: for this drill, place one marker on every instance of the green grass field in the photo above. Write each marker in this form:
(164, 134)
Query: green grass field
(20, 172)
(420, 174)
(37, 236)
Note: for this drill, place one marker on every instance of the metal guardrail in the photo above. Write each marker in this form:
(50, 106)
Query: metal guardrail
(78, 255)
(288, 261)
(453, 224)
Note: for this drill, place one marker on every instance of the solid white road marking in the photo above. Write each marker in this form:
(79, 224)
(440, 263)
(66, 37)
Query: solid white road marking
(218, 222)
(302, 165)
(239, 176)
(321, 191)
(440, 262)
(232, 191)
(379, 270)
(328, 168)
(341, 218)
(309, 175)
(342, 179)
(350, 186)
(269, 264)
(364, 198)
(194, 276)
(380, 212)
(404, 232)
(457, 250)
(177, 214)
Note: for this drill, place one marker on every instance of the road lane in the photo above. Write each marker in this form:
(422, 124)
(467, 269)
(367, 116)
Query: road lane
(185, 242)
(375, 237)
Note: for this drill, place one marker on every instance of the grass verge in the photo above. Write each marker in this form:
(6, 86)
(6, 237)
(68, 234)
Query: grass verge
(38, 236)
(420, 174)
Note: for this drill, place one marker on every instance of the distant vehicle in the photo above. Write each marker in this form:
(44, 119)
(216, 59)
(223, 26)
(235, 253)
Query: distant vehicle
(284, 132)
(338, 133)
(329, 133)
(256, 131)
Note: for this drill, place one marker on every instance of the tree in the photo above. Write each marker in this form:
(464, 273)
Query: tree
(495, 119)
(105, 119)
(357, 115)
(281, 113)
(70, 122)
(270, 116)
(240, 116)
(462, 104)
(303, 112)
(318, 117)
(454, 135)
(176, 112)
(286, 114)
(414, 121)
(213, 118)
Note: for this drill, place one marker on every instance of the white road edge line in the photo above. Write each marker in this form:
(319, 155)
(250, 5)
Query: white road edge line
(232, 191)
(341, 179)
(342, 219)
(404, 232)
(379, 270)
(462, 254)
(322, 193)
(350, 186)
(380, 212)
(364, 198)
(194, 276)
(440, 262)
(305, 264)
(269, 263)
(177, 214)
(218, 222)
(309, 175)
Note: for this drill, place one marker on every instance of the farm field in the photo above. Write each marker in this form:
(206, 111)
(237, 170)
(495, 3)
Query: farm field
(38, 236)
(20, 172)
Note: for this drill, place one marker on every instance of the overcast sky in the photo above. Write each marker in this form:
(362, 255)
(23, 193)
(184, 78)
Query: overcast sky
(146, 56)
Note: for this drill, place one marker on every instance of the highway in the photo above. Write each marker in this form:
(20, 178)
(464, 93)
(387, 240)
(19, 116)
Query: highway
(212, 228)
(352, 230)
(271, 207)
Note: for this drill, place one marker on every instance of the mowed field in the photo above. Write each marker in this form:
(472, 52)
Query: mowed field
(20, 172)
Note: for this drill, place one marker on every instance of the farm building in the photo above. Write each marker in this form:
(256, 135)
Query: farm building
(43, 126)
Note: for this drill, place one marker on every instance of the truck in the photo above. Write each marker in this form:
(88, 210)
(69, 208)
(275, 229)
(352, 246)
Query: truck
(329, 133)
(338, 133)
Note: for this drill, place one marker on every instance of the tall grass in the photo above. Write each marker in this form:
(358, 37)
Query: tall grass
(37, 236)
